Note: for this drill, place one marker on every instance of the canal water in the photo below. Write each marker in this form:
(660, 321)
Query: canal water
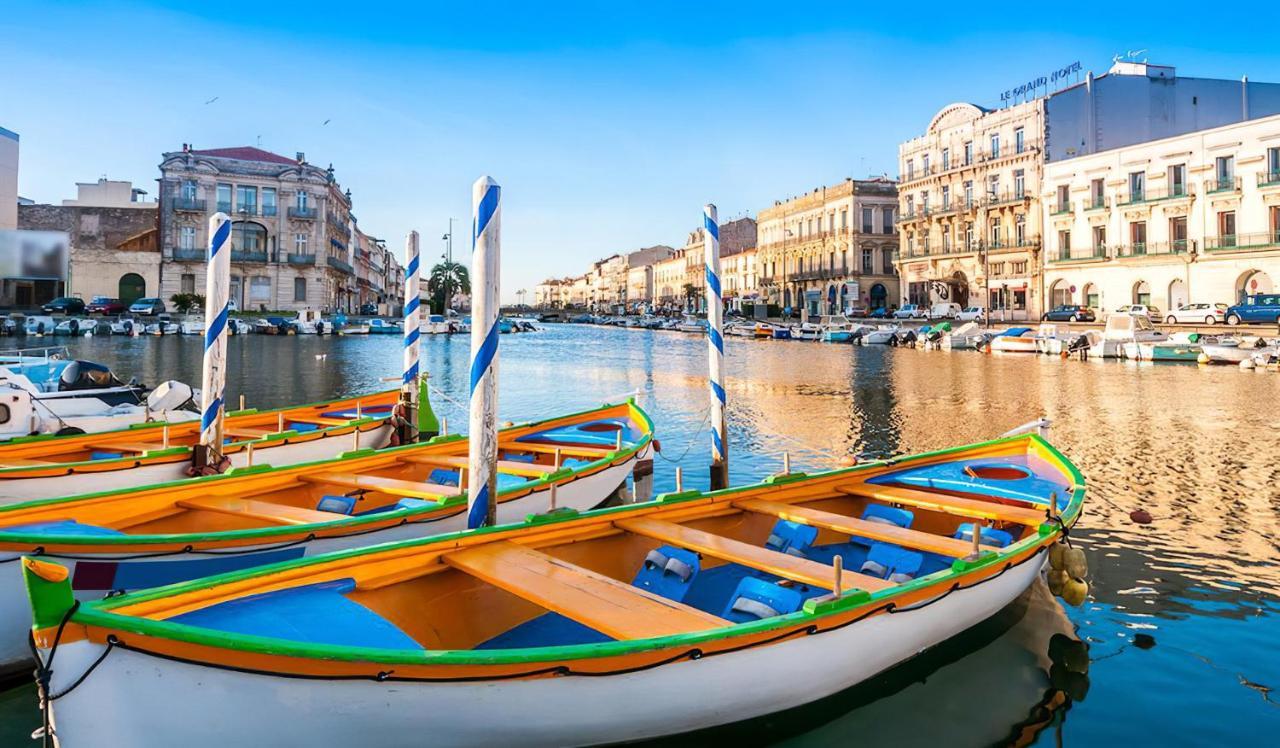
(1182, 617)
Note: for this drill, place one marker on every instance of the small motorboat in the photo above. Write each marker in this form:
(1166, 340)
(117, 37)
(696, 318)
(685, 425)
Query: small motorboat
(1055, 340)
(1120, 329)
(756, 599)
(311, 322)
(1234, 350)
(807, 331)
(837, 329)
(434, 324)
(1014, 340)
(384, 327)
(127, 325)
(1180, 346)
(163, 325)
(881, 335)
(38, 325)
(965, 337)
(192, 326)
(135, 538)
(695, 325)
(763, 329)
(74, 327)
(740, 329)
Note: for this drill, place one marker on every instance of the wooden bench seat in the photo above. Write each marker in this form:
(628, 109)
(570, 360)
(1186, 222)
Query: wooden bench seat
(394, 486)
(602, 603)
(245, 432)
(921, 541)
(264, 510)
(138, 447)
(566, 450)
(988, 510)
(756, 557)
(317, 420)
(511, 467)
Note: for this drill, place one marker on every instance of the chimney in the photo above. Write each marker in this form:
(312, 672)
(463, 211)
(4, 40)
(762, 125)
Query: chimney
(302, 157)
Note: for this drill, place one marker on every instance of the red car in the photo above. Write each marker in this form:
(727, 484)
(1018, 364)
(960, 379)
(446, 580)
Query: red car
(105, 305)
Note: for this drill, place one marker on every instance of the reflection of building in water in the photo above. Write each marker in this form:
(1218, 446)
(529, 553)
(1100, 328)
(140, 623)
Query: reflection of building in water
(874, 419)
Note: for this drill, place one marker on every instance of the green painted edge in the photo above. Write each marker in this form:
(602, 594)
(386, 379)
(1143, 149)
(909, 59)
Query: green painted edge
(171, 451)
(144, 425)
(50, 601)
(824, 605)
(669, 497)
(357, 453)
(985, 558)
(560, 512)
(278, 436)
(245, 412)
(778, 479)
(251, 469)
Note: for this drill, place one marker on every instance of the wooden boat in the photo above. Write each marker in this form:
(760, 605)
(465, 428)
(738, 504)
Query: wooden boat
(44, 466)
(173, 532)
(622, 624)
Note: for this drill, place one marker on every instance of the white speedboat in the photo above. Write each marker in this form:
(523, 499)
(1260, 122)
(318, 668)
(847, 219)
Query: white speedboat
(807, 331)
(74, 327)
(434, 324)
(692, 324)
(1055, 340)
(964, 337)
(126, 325)
(1014, 340)
(163, 326)
(741, 329)
(1181, 346)
(384, 327)
(192, 326)
(1235, 350)
(882, 335)
(1121, 329)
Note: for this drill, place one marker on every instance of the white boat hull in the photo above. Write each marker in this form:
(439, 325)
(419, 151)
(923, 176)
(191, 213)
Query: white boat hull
(136, 699)
(1006, 344)
(15, 614)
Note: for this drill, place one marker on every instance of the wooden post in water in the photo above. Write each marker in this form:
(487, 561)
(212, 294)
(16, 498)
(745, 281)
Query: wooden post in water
(715, 347)
(483, 433)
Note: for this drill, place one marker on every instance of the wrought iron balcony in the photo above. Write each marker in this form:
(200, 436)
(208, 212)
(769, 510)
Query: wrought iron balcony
(1242, 242)
(188, 204)
(1062, 209)
(1090, 254)
(1221, 185)
(247, 210)
(1150, 249)
(304, 213)
(269, 211)
(224, 207)
(184, 254)
(340, 266)
(1006, 198)
(1176, 192)
(1269, 178)
(243, 256)
(1097, 202)
(301, 259)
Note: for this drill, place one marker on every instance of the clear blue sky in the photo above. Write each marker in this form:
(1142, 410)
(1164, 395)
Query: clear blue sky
(607, 124)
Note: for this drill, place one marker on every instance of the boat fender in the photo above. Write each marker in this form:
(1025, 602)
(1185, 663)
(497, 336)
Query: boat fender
(1247, 364)
(754, 608)
(656, 560)
(1075, 563)
(1057, 581)
(1074, 592)
(1140, 517)
(657, 446)
(848, 461)
(1203, 358)
(1057, 552)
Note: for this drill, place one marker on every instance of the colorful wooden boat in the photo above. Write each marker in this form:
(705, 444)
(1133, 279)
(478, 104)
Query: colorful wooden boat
(622, 624)
(173, 532)
(45, 466)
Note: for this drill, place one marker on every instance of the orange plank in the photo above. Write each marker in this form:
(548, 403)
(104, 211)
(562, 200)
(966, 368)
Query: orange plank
(138, 447)
(511, 467)
(414, 489)
(567, 450)
(940, 502)
(265, 510)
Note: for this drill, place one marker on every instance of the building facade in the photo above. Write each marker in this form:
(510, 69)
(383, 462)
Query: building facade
(1191, 218)
(291, 238)
(8, 179)
(834, 247)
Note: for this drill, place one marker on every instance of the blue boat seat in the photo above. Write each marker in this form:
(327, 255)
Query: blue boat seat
(62, 527)
(314, 613)
(443, 477)
(888, 515)
(990, 535)
(401, 504)
(668, 571)
(890, 562)
(336, 504)
(105, 455)
(755, 599)
(791, 537)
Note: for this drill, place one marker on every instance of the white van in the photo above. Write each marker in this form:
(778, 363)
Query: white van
(944, 310)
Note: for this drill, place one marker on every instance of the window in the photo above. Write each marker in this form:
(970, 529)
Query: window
(1178, 234)
(911, 168)
(1138, 237)
(866, 220)
(887, 219)
(995, 145)
(1019, 184)
(299, 289)
(187, 237)
(1020, 231)
(946, 241)
(819, 224)
(1064, 244)
(247, 236)
(997, 268)
(924, 242)
(1137, 186)
(844, 220)
(1225, 169)
(968, 236)
(924, 202)
(1275, 224)
(968, 195)
(247, 199)
(887, 262)
(300, 244)
(1227, 228)
(946, 158)
(188, 190)
(1020, 267)
(1273, 165)
(867, 261)
(1099, 240)
(811, 227)
(946, 197)
(302, 200)
(224, 198)
(1096, 199)
(268, 201)
(993, 187)
(968, 152)
(911, 205)
(1019, 141)
(1064, 199)
(1177, 180)
(924, 165)
(260, 290)
(995, 232)
(188, 283)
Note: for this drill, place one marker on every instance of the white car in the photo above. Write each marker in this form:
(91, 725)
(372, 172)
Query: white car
(1140, 310)
(971, 314)
(1198, 314)
(944, 310)
(911, 311)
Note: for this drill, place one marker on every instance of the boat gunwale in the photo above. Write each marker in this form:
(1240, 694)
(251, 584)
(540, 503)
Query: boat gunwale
(97, 621)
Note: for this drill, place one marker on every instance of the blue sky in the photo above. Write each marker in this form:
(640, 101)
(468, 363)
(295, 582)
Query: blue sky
(607, 124)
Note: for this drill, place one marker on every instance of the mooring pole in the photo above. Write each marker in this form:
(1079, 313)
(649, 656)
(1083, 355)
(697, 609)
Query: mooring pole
(486, 211)
(213, 382)
(411, 347)
(715, 348)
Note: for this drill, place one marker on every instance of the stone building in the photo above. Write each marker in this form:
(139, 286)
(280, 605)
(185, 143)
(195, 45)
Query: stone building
(739, 273)
(291, 236)
(8, 179)
(379, 277)
(1191, 218)
(823, 252)
(111, 240)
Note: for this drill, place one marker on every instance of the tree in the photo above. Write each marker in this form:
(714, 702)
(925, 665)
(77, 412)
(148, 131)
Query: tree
(690, 296)
(447, 279)
(185, 302)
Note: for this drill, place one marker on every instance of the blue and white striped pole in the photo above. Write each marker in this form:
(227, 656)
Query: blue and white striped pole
(217, 291)
(412, 313)
(715, 347)
(486, 232)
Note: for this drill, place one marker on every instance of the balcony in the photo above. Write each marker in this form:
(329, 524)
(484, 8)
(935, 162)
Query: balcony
(1140, 197)
(340, 266)
(1006, 198)
(1222, 185)
(1242, 242)
(1062, 209)
(1269, 178)
(244, 211)
(1152, 249)
(188, 205)
(191, 254)
(1091, 254)
(308, 214)
(269, 211)
(1097, 202)
(301, 260)
(242, 256)
(1006, 245)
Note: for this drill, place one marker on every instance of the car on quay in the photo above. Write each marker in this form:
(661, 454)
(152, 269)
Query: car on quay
(1260, 307)
(911, 311)
(64, 305)
(944, 310)
(149, 306)
(1068, 313)
(105, 305)
(1197, 314)
(857, 310)
(1140, 310)
(369, 309)
(971, 314)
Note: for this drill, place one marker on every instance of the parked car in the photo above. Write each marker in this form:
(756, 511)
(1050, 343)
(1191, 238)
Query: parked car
(971, 314)
(1141, 310)
(150, 305)
(944, 310)
(1195, 314)
(1068, 313)
(911, 311)
(369, 310)
(64, 305)
(105, 305)
(878, 313)
(856, 310)
(1261, 307)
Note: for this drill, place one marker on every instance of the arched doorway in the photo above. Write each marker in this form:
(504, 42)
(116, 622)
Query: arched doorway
(247, 236)
(831, 300)
(959, 289)
(1177, 294)
(786, 300)
(879, 296)
(1059, 293)
(1090, 296)
(132, 287)
(1253, 281)
(1142, 293)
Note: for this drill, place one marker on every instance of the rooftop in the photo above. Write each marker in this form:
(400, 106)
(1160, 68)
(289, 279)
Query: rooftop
(245, 153)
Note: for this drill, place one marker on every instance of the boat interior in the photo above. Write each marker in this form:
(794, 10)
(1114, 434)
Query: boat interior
(421, 478)
(651, 570)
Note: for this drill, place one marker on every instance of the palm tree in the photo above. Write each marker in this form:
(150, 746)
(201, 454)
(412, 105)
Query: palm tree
(447, 279)
(690, 296)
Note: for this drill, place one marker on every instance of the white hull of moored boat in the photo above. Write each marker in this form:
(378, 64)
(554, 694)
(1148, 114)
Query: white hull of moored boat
(138, 699)
(583, 493)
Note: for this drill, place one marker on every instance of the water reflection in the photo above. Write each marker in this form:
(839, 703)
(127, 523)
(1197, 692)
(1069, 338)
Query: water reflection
(1195, 446)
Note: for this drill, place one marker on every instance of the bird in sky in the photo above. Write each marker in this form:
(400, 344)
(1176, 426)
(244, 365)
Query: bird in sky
(322, 124)
(210, 101)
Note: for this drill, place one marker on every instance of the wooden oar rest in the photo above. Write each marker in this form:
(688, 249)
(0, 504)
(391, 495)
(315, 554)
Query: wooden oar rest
(566, 450)
(264, 510)
(138, 447)
(921, 541)
(756, 557)
(396, 486)
(988, 510)
(611, 607)
(512, 467)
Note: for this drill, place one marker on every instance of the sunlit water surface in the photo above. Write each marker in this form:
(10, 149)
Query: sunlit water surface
(1182, 616)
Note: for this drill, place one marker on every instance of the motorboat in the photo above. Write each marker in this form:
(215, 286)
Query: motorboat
(836, 329)
(127, 325)
(311, 322)
(965, 337)
(692, 324)
(384, 327)
(1120, 329)
(807, 331)
(75, 327)
(881, 335)
(1056, 340)
(644, 621)
(1180, 346)
(434, 324)
(39, 325)
(1014, 340)
(740, 329)
(273, 326)
(143, 537)
(192, 326)
(163, 325)
(1233, 350)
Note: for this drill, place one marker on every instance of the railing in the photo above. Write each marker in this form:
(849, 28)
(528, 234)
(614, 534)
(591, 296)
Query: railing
(1176, 192)
(1269, 178)
(300, 259)
(339, 265)
(1148, 249)
(224, 207)
(247, 210)
(1024, 243)
(335, 222)
(1090, 254)
(242, 256)
(1222, 184)
(1006, 198)
(307, 213)
(189, 204)
(1062, 210)
(1242, 242)
(189, 255)
(269, 211)
(1097, 202)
